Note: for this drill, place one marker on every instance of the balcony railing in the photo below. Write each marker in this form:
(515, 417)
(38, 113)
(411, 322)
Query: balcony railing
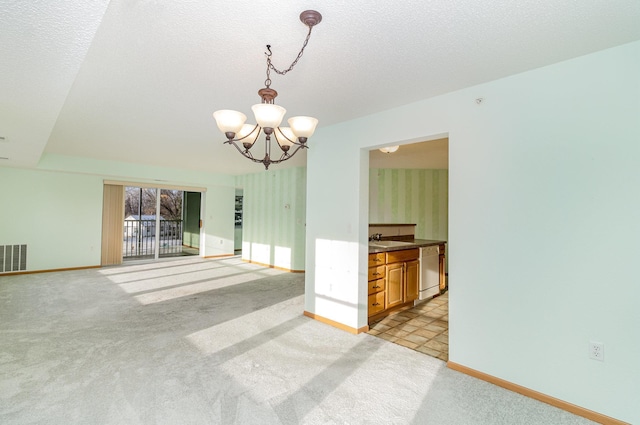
(140, 238)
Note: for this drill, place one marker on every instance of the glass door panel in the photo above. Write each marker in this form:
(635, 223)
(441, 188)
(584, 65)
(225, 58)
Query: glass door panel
(170, 223)
(140, 223)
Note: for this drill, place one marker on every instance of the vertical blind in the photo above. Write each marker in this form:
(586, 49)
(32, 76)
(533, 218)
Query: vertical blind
(112, 224)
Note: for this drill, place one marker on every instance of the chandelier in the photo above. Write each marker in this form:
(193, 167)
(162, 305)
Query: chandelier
(268, 115)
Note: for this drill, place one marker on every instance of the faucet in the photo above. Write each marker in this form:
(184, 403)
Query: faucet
(375, 237)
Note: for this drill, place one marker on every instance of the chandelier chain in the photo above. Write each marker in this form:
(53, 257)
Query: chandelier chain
(270, 66)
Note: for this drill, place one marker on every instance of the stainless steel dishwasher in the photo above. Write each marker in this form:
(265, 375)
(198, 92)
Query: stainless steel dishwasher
(429, 272)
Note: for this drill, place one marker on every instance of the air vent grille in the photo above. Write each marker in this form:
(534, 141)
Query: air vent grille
(13, 258)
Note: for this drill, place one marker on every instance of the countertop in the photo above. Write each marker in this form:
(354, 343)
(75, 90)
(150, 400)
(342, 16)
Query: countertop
(400, 245)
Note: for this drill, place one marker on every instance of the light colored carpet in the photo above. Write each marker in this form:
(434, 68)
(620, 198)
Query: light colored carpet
(195, 341)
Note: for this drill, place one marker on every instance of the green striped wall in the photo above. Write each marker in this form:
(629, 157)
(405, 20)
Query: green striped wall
(274, 213)
(410, 196)
(275, 209)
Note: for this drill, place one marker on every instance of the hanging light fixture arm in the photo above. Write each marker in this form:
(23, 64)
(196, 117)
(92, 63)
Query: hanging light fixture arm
(245, 140)
(286, 154)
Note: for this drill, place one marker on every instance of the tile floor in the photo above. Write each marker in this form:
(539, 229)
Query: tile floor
(424, 328)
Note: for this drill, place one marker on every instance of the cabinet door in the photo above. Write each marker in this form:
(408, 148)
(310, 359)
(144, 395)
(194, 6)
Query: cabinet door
(395, 279)
(412, 274)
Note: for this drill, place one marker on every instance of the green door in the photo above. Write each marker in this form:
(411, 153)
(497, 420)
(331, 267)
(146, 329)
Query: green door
(191, 230)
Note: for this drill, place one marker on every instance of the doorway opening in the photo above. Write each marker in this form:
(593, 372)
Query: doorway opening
(410, 186)
(237, 245)
(160, 223)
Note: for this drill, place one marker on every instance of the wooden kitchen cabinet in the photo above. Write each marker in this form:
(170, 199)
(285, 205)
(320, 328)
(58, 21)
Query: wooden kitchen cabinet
(394, 281)
(378, 259)
(412, 280)
(376, 303)
(376, 272)
(377, 283)
(402, 277)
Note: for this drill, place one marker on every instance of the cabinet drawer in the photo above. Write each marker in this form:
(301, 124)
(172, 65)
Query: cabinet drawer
(376, 272)
(376, 259)
(404, 255)
(376, 303)
(376, 286)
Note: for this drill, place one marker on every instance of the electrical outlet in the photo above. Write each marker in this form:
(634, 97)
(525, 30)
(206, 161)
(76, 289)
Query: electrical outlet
(596, 351)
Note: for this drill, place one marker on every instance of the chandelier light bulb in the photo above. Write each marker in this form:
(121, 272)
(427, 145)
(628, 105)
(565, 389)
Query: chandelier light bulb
(247, 133)
(303, 126)
(288, 138)
(268, 114)
(229, 121)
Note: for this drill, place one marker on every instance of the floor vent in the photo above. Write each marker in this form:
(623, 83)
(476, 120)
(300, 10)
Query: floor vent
(13, 258)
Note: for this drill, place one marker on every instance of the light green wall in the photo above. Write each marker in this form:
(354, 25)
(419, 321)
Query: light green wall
(57, 209)
(417, 196)
(58, 216)
(543, 224)
(273, 227)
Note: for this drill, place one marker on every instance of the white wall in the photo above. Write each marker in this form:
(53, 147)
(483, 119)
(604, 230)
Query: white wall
(219, 221)
(543, 224)
(57, 209)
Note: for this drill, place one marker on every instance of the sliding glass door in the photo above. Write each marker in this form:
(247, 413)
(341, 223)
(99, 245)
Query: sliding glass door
(155, 220)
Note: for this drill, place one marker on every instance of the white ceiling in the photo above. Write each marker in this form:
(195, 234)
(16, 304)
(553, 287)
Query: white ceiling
(137, 81)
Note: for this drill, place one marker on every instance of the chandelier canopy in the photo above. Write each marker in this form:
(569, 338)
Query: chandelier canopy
(268, 115)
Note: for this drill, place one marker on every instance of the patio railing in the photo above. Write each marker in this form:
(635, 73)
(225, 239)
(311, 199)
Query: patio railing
(140, 238)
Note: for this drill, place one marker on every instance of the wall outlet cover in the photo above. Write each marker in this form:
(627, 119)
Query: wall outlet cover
(596, 350)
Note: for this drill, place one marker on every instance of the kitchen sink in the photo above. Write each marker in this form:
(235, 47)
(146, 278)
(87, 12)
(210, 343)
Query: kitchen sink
(388, 244)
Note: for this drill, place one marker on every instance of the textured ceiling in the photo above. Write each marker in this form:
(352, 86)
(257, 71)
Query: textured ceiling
(137, 81)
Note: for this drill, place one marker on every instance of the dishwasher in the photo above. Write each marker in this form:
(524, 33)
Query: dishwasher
(429, 272)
